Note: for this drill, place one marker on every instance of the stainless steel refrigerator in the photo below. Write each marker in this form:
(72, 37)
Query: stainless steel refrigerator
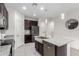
(35, 30)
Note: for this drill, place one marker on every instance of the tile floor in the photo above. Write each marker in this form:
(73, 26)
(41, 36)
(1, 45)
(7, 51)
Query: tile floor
(26, 50)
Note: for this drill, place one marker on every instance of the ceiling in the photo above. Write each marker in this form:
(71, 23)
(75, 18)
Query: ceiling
(53, 9)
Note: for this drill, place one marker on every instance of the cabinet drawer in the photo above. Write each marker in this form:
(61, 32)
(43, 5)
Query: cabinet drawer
(61, 51)
(49, 49)
(39, 47)
(28, 38)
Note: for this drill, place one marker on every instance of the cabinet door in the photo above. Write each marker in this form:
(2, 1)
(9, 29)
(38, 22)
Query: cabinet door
(36, 45)
(34, 23)
(4, 12)
(27, 24)
(1, 8)
(49, 50)
(40, 48)
(61, 51)
(28, 38)
(6, 19)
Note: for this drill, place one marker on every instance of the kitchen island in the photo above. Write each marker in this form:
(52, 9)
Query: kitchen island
(54, 46)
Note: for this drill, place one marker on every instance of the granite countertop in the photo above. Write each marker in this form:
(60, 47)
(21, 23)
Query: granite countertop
(55, 40)
(38, 39)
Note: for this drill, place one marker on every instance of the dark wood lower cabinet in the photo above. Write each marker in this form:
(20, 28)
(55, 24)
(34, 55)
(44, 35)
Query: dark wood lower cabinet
(36, 45)
(48, 49)
(53, 50)
(61, 51)
(28, 38)
(39, 47)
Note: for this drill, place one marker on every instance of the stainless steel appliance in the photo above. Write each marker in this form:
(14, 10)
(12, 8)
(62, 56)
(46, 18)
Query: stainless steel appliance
(35, 30)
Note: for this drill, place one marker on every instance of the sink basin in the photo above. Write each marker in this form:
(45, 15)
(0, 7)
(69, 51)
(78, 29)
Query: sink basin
(41, 37)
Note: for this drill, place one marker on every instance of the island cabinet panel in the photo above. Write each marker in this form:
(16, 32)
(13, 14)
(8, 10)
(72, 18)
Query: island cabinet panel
(53, 50)
(49, 50)
(61, 51)
(39, 47)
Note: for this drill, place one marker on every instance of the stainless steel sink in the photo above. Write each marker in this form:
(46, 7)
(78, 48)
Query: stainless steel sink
(42, 37)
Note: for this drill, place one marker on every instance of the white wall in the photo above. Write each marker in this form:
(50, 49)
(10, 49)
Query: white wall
(75, 33)
(46, 29)
(61, 30)
(42, 27)
(19, 29)
(16, 26)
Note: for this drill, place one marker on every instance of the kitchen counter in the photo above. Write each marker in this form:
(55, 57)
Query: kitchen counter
(56, 46)
(38, 39)
(56, 40)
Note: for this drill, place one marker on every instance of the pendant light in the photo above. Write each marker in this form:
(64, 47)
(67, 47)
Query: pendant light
(46, 16)
(34, 5)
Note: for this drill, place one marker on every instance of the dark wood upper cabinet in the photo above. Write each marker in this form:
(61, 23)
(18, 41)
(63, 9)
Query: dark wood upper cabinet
(1, 9)
(34, 23)
(26, 24)
(28, 38)
(3, 17)
(32, 26)
(29, 23)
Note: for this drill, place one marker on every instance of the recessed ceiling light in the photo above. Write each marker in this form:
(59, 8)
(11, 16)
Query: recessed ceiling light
(34, 14)
(42, 8)
(62, 16)
(24, 8)
(34, 4)
(46, 20)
